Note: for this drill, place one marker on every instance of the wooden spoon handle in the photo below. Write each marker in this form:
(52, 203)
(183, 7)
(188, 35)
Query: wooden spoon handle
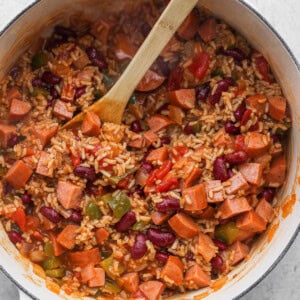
(162, 32)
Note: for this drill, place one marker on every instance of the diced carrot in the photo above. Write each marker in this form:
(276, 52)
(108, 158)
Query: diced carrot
(42, 166)
(19, 217)
(18, 110)
(189, 26)
(175, 114)
(18, 174)
(184, 98)
(265, 210)
(196, 275)
(257, 102)
(6, 132)
(240, 251)
(150, 137)
(208, 30)
(277, 107)
(233, 207)
(87, 273)
(124, 49)
(99, 278)
(68, 194)
(173, 270)
(159, 154)
(251, 221)
(45, 134)
(158, 217)
(277, 172)
(235, 183)
(129, 282)
(158, 122)
(192, 177)
(91, 124)
(221, 138)
(195, 198)
(150, 82)
(152, 289)
(252, 172)
(101, 235)
(67, 237)
(205, 246)
(85, 257)
(256, 144)
(184, 226)
(62, 110)
(214, 191)
(101, 30)
(58, 249)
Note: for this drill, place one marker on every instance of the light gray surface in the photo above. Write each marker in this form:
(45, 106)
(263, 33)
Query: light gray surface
(283, 282)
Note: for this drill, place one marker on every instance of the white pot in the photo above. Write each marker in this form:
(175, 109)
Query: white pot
(271, 247)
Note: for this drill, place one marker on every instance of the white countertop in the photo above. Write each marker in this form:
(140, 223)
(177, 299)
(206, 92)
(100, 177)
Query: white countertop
(284, 281)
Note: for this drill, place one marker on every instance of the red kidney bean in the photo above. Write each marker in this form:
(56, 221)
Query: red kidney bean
(80, 91)
(222, 86)
(7, 188)
(26, 199)
(54, 93)
(221, 245)
(230, 173)
(51, 214)
(138, 190)
(96, 58)
(238, 114)
(53, 43)
(147, 167)
(145, 29)
(136, 126)
(76, 217)
(203, 91)
(37, 82)
(64, 32)
(126, 222)
(231, 128)
(163, 108)
(162, 257)
(85, 172)
(237, 157)
(236, 53)
(268, 194)
(50, 78)
(275, 138)
(217, 263)
(165, 140)
(15, 236)
(161, 238)
(12, 141)
(254, 127)
(189, 256)
(139, 248)
(188, 129)
(15, 72)
(163, 66)
(168, 204)
(220, 170)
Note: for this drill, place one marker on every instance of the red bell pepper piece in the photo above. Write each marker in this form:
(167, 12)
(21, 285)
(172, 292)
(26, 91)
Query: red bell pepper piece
(164, 169)
(19, 217)
(200, 64)
(167, 185)
(75, 160)
(152, 177)
(246, 116)
(175, 79)
(180, 151)
(239, 143)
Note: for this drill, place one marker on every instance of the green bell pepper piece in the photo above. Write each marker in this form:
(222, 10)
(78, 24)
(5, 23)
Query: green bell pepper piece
(51, 263)
(93, 211)
(56, 273)
(111, 287)
(39, 60)
(48, 249)
(227, 233)
(39, 91)
(119, 204)
(107, 263)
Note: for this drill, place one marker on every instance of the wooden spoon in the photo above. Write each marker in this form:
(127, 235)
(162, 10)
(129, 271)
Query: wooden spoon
(110, 108)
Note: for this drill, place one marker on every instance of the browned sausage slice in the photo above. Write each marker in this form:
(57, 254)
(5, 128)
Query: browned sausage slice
(252, 172)
(256, 144)
(205, 246)
(240, 251)
(277, 172)
(159, 154)
(233, 207)
(208, 30)
(158, 122)
(214, 191)
(277, 107)
(45, 134)
(196, 275)
(150, 82)
(189, 26)
(67, 237)
(152, 289)
(129, 282)
(265, 210)
(91, 124)
(195, 198)
(184, 98)
(235, 183)
(173, 270)
(251, 221)
(62, 110)
(18, 110)
(42, 166)
(68, 194)
(6, 132)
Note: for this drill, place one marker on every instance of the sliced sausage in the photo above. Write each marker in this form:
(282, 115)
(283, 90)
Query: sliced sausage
(150, 137)
(62, 110)
(277, 107)
(18, 174)
(176, 114)
(184, 98)
(256, 144)
(67, 237)
(6, 132)
(252, 172)
(158, 122)
(233, 207)
(83, 258)
(91, 124)
(221, 138)
(99, 278)
(208, 30)
(251, 221)
(13, 93)
(58, 249)
(159, 218)
(18, 110)
(184, 226)
(42, 166)
(189, 26)
(192, 177)
(205, 246)
(101, 235)
(276, 175)
(124, 49)
(173, 270)
(152, 289)
(196, 275)
(240, 251)
(139, 142)
(45, 134)
(68, 194)
(214, 191)
(195, 198)
(68, 92)
(235, 183)
(258, 103)
(159, 154)
(265, 210)
(87, 273)
(150, 82)
(129, 282)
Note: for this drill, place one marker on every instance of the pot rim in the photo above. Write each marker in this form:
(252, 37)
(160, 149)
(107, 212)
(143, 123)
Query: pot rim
(297, 64)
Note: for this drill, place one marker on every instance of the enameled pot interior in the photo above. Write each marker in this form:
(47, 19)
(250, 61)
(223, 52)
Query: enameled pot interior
(22, 33)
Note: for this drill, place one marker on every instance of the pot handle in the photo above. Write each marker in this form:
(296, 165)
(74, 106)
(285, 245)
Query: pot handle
(23, 296)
